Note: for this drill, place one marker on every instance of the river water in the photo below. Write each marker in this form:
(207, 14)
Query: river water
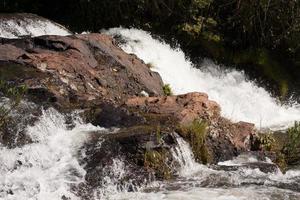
(240, 99)
(47, 168)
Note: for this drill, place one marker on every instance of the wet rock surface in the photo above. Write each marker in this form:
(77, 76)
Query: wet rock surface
(91, 73)
(131, 146)
(224, 139)
(185, 108)
(76, 70)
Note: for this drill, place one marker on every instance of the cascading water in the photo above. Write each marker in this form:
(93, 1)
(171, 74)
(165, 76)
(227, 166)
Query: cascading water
(14, 27)
(200, 182)
(47, 167)
(240, 100)
(183, 154)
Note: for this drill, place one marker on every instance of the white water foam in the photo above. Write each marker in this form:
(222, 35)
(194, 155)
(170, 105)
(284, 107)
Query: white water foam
(44, 169)
(111, 188)
(182, 153)
(240, 99)
(240, 184)
(249, 193)
(14, 28)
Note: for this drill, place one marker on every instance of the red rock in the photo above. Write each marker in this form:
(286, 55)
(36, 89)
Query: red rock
(225, 138)
(185, 108)
(87, 67)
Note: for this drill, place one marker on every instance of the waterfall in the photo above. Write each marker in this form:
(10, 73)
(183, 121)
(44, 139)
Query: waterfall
(239, 98)
(14, 27)
(182, 153)
(47, 167)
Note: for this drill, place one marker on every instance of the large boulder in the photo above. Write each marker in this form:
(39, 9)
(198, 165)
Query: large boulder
(75, 70)
(224, 139)
(185, 108)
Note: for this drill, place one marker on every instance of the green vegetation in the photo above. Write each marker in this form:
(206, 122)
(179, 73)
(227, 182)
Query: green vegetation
(157, 161)
(167, 90)
(281, 161)
(196, 133)
(292, 148)
(15, 95)
(267, 141)
(285, 146)
(273, 143)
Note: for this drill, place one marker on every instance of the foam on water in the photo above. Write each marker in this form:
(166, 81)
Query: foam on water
(247, 193)
(183, 154)
(14, 28)
(240, 99)
(46, 168)
(241, 184)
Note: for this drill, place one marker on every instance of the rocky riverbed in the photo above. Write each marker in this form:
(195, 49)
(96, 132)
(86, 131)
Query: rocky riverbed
(106, 118)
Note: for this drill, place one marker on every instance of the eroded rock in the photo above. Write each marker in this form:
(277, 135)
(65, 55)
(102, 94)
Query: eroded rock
(224, 138)
(77, 69)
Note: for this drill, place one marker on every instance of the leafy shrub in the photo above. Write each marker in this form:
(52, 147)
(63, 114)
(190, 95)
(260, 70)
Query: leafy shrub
(292, 148)
(267, 141)
(167, 90)
(156, 161)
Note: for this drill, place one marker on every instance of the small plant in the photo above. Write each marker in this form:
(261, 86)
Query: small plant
(150, 65)
(167, 90)
(196, 133)
(156, 161)
(267, 141)
(15, 95)
(292, 148)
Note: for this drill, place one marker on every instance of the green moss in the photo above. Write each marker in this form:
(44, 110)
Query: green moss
(167, 90)
(196, 133)
(157, 161)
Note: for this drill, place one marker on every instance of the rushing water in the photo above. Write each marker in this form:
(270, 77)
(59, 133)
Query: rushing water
(32, 26)
(240, 99)
(49, 166)
(200, 182)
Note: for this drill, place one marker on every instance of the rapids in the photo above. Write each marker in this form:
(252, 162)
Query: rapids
(200, 182)
(31, 25)
(49, 166)
(240, 99)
